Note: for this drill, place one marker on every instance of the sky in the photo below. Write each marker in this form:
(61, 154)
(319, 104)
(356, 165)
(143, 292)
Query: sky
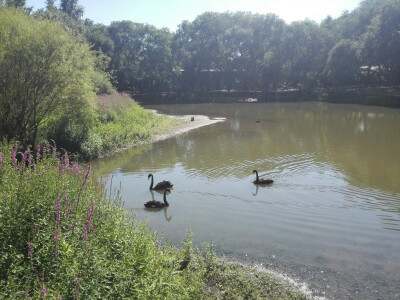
(171, 13)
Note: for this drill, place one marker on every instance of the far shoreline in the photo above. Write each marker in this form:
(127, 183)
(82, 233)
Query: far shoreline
(185, 125)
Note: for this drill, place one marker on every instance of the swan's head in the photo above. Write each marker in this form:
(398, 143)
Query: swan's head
(254, 171)
(150, 175)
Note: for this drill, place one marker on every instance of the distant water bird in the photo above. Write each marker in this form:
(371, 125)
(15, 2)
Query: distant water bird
(261, 180)
(192, 119)
(161, 185)
(257, 120)
(158, 204)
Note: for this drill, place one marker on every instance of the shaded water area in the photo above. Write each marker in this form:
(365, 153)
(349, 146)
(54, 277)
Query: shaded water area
(331, 219)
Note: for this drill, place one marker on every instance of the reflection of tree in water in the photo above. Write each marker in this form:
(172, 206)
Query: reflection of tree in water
(168, 219)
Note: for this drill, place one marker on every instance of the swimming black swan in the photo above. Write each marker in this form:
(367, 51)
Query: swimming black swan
(161, 185)
(261, 180)
(158, 204)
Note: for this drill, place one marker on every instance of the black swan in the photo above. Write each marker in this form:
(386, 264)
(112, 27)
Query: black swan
(158, 204)
(161, 185)
(261, 180)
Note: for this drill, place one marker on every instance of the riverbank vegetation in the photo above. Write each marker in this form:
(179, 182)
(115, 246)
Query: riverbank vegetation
(63, 235)
(49, 81)
(53, 64)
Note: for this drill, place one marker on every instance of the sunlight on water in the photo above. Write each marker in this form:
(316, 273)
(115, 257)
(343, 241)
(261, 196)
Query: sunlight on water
(332, 216)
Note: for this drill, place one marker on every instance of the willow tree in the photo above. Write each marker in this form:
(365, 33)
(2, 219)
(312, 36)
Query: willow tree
(45, 73)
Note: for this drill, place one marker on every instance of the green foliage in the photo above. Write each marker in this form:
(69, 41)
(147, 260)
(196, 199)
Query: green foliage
(62, 234)
(142, 57)
(123, 123)
(343, 64)
(46, 73)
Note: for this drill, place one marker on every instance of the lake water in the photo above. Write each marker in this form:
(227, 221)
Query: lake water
(331, 219)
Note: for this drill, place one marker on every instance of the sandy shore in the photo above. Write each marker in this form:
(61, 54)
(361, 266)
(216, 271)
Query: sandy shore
(187, 125)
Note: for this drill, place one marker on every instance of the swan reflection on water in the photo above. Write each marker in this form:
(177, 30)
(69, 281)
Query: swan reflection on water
(159, 208)
(258, 186)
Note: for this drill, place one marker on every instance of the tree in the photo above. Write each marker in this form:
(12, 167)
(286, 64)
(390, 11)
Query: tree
(14, 3)
(50, 5)
(45, 74)
(72, 8)
(343, 65)
(142, 57)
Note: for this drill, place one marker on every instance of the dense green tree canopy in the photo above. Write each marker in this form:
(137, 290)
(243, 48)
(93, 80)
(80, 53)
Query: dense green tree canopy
(242, 51)
(45, 73)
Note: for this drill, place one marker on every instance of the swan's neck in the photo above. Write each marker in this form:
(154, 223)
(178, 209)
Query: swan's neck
(165, 198)
(257, 179)
(151, 184)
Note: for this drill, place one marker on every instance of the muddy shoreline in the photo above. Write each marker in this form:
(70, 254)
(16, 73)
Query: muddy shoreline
(186, 125)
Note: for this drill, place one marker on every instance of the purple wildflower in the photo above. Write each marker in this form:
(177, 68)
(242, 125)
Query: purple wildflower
(1, 158)
(44, 291)
(86, 175)
(59, 297)
(66, 160)
(27, 295)
(68, 210)
(29, 158)
(57, 234)
(91, 210)
(30, 249)
(38, 152)
(85, 233)
(75, 168)
(58, 209)
(14, 154)
(46, 149)
(24, 156)
(54, 152)
(101, 186)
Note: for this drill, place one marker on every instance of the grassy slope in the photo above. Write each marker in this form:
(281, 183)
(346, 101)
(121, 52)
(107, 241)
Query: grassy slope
(123, 123)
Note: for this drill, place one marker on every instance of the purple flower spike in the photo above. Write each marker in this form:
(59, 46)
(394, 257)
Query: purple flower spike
(1, 158)
(38, 152)
(66, 160)
(44, 291)
(30, 249)
(57, 234)
(14, 154)
(68, 211)
(86, 175)
(58, 209)
(85, 233)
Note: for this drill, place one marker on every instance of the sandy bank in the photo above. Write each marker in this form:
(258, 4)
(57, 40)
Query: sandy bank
(186, 125)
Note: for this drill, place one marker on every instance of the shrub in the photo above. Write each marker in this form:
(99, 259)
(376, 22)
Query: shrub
(63, 235)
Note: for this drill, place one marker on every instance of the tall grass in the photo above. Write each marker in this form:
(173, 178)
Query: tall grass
(63, 236)
(122, 123)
